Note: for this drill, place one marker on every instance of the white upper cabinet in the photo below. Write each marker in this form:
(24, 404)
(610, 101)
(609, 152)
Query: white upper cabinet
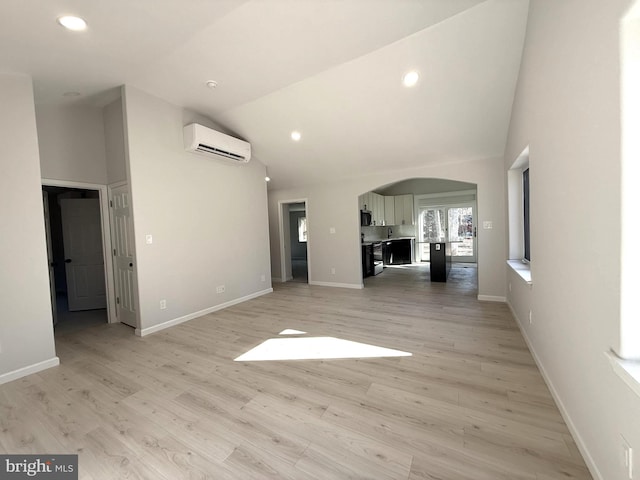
(389, 210)
(375, 204)
(377, 216)
(403, 209)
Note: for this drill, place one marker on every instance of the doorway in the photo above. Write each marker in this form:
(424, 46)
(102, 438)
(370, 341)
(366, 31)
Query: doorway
(449, 223)
(75, 225)
(294, 241)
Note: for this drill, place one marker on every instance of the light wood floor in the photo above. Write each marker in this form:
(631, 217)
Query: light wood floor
(468, 404)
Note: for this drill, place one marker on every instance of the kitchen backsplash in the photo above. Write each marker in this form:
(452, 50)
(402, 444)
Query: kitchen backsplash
(379, 233)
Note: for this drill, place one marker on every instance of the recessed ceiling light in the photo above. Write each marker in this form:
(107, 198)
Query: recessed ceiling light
(70, 22)
(296, 136)
(410, 78)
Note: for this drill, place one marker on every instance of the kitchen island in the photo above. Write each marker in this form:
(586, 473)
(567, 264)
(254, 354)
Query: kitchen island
(440, 260)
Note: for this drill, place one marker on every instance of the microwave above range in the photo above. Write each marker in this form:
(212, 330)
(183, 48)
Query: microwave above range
(365, 218)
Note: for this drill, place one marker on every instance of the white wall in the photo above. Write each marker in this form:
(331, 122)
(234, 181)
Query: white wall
(336, 205)
(72, 145)
(114, 142)
(425, 185)
(208, 218)
(567, 109)
(26, 326)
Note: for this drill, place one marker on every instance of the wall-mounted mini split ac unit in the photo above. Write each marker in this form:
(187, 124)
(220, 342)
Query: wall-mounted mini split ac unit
(203, 140)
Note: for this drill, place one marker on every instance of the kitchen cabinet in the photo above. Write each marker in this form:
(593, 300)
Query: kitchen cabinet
(397, 251)
(367, 260)
(380, 209)
(389, 210)
(375, 203)
(403, 209)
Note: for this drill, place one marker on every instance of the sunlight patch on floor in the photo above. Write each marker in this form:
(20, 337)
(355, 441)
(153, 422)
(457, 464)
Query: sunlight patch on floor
(291, 331)
(315, 348)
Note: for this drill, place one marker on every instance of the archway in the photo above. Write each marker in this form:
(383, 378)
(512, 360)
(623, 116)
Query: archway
(401, 222)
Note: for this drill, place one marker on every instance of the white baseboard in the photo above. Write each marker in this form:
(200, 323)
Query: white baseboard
(357, 286)
(24, 371)
(492, 298)
(176, 321)
(591, 464)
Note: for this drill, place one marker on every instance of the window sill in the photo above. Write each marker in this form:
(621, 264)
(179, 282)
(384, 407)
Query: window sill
(522, 269)
(627, 370)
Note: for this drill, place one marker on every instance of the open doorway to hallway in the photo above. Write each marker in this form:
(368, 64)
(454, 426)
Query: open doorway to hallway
(76, 257)
(294, 241)
(298, 240)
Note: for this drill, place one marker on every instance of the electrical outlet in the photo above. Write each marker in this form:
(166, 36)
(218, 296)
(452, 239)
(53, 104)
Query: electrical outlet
(149, 239)
(263, 278)
(163, 304)
(530, 317)
(333, 270)
(220, 289)
(627, 452)
(509, 286)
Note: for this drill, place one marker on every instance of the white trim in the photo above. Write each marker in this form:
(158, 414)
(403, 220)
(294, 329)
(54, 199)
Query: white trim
(492, 298)
(453, 193)
(176, 321)
(591, 464)
(28, 370)
(627, 370)
(103, 193)
(522, 269)
(356, 286)
(117, 184)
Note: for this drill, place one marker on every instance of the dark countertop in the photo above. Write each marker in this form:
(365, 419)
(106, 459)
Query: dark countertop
(371, 242)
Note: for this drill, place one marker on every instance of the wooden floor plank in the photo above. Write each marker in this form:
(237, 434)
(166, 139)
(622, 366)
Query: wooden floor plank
(469, 403)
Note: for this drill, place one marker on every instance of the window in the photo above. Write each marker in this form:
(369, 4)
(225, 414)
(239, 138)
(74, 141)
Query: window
(518, 182)
(302, 229)
(527, 229)
(629, 342)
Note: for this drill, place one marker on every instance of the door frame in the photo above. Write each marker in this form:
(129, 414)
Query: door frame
(446, 204)
(286, 239)
(52, 276)
(106, 237)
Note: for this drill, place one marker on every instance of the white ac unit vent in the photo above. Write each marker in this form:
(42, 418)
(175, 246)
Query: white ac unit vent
(201, 139)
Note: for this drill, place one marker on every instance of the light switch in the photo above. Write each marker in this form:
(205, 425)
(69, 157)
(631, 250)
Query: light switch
(437, 246)
(332, 229)
(149, 239)
(487, 224)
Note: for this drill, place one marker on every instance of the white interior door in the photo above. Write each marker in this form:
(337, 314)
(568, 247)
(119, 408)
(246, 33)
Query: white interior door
(123, 254)
(52, 278)
(84, 261)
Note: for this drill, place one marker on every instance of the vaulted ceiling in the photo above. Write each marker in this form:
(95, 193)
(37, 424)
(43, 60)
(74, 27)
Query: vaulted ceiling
(330, 69)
